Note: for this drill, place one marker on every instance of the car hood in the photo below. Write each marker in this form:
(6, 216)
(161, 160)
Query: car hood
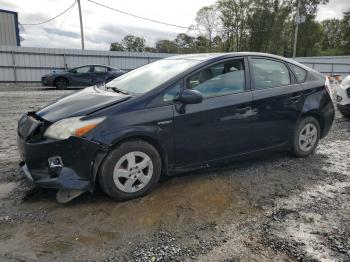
(80, 103)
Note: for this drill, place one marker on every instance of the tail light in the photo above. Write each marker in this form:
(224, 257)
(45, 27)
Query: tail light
(328, 87)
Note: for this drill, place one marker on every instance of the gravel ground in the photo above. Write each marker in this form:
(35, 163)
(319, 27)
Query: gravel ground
(275, 208)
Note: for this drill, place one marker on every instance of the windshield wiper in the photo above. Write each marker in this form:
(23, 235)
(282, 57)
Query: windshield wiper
(117, 90)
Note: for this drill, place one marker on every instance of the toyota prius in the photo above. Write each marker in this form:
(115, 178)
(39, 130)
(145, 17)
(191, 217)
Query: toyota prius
(174, 115)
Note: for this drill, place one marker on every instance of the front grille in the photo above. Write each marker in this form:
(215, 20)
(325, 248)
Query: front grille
(348, 92)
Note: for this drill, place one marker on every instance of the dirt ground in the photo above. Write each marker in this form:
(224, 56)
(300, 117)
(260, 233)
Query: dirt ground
(275, 208)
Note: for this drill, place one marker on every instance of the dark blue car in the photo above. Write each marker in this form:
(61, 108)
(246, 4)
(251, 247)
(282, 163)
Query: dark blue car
(174, 115)
(81, 76)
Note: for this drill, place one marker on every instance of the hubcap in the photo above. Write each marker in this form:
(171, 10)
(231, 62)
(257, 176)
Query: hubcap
(133, 172)
(307, 137)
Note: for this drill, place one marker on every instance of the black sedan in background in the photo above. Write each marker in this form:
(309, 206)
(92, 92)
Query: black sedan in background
(174, 115)
(81, 76)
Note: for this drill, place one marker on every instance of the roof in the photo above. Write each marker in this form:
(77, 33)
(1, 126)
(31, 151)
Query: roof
(215, 56)
(206, 56)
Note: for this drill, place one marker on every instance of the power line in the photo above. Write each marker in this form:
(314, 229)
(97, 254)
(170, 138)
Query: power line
(46, 21)
(137, 16)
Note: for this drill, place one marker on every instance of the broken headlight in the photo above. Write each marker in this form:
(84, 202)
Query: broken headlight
(73, 126)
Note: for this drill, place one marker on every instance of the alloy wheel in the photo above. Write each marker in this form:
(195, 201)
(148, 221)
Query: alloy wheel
(133, 171)
(307, 137)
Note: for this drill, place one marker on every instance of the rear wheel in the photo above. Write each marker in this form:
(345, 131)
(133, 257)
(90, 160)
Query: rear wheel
(306, 137)
(61, 83)
(130, 171)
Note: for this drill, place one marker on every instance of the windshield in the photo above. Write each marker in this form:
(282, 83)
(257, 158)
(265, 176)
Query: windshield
(145, 78)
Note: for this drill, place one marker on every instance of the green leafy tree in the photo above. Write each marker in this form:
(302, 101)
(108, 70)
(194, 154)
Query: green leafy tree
(133, 43)
(333, 34)
(207, 23)
(116, 47)
(185, 43)
(346, 34)
(166, 46)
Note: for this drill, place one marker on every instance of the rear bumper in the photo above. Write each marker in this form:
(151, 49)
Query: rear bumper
(79, 160)
(328, 115)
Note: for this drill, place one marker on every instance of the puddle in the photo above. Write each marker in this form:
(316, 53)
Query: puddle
(5, 189)
(177, 204)
(183, 200)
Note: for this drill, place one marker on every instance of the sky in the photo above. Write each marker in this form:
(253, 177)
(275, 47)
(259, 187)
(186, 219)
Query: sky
(103, 26)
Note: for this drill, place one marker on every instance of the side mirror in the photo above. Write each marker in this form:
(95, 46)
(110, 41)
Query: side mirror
(74, 71)
(189, 96)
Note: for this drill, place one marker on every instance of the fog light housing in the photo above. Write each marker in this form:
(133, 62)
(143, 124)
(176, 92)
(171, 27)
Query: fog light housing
(55, 162)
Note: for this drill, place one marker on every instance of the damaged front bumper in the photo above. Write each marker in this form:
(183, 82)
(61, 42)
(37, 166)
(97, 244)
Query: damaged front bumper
(70, 164)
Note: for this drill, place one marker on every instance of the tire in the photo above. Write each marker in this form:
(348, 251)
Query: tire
(309, 128)
(61, 83)
(131, 181)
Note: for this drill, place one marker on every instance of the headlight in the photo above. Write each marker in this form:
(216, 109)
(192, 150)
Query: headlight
(73, 126)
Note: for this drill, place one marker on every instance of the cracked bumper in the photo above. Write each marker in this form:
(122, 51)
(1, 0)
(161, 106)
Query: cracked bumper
(80, 160)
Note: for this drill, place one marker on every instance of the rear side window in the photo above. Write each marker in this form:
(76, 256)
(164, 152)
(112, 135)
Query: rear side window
(299, 72)
(220, 79)
(100, 69)
(269, 73)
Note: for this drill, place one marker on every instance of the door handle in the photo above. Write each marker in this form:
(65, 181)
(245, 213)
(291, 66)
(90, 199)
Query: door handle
(242, 109)
(295, 98)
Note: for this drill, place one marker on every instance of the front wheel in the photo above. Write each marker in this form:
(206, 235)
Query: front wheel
(61, 83)
(306, 137)
(130, 171)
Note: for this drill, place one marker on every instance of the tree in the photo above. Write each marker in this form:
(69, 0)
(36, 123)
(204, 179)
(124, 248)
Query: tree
(346, 33)
(185, 43)
(116, 47)
(202, 44)
(133, 43)
(234, 18)
(166, 46)
(333, 34)
(130, 43)
(207, 22)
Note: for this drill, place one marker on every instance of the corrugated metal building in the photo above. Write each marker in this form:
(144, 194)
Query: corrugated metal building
(9, 31)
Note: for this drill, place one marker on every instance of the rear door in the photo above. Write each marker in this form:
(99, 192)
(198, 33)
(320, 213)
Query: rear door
(81, 76)
(220, 126)
(99, 74)
(277, 101)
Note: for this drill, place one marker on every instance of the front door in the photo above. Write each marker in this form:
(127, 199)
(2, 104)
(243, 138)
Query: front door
(218, 127)
(81, 76)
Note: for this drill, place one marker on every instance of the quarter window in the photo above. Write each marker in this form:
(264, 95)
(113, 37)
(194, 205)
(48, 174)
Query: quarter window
(219, 79)
(172, 92)
(269, 73)
(299, 73)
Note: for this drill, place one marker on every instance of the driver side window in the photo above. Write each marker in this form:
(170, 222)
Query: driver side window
(220, 79)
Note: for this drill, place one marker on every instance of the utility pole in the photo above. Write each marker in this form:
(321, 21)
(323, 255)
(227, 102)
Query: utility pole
(81, 27)
(297, 21)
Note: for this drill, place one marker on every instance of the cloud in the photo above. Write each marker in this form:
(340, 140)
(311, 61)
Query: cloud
(8, 5)
(334, 9)
(60, 32)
